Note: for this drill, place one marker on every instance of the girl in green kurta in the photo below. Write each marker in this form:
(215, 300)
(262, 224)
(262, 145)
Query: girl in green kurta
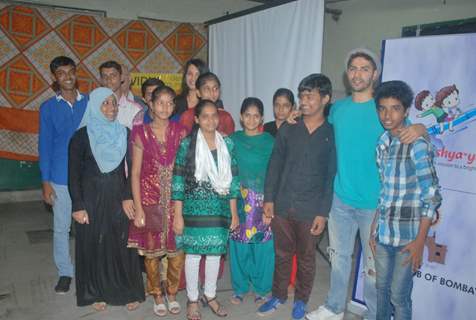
(251, 244)
(205, 186)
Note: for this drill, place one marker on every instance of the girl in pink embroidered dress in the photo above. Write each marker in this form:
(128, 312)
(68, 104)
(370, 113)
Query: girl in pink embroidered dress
(154, 147)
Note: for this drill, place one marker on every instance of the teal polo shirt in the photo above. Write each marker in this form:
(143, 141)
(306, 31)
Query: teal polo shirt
(357, 129)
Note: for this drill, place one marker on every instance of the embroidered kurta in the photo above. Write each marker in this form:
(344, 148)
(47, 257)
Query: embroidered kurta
(206, 214)
(252, 153)
(156, 238)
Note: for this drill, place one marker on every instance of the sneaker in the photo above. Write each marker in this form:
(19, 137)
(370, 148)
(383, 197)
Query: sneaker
(299, 310)
(322, 313)
(63, 285)
(269, 306)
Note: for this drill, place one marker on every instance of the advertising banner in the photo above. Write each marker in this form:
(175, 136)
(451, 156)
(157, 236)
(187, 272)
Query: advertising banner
(442, 73)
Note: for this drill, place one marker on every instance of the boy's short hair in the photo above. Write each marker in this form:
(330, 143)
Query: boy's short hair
(365, 53)
(150, 83)
(316, 81)
(61, 61)
(395, 89)
(110, 64)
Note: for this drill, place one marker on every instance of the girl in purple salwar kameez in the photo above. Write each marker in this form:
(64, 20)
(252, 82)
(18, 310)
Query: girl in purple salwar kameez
(251, 244)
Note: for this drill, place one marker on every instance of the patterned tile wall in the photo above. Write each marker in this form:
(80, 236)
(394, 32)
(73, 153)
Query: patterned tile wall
(31, 37)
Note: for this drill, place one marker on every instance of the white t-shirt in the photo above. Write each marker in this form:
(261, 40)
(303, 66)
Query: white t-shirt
(127, 111)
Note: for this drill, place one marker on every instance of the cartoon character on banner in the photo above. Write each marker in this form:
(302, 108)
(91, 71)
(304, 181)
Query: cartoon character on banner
(444, 107)
(448, 99)
(425, 102)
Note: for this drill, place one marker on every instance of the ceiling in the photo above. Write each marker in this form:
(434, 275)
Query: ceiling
(175, 10)
(204, 10)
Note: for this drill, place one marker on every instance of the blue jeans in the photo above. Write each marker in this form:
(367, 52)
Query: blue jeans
(394, 283)
(61, 226)
(344, 221)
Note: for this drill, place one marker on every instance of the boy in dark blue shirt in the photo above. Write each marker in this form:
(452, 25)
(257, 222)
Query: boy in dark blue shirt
(59, 118)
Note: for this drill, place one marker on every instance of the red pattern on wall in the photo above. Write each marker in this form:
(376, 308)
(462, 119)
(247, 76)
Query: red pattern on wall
(23, 25)
(184, 41)
(20, 82)
(82, 34)
(31, 37)
(136, 40)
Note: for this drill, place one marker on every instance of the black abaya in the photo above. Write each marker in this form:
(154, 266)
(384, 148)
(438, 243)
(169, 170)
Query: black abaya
(106, 270)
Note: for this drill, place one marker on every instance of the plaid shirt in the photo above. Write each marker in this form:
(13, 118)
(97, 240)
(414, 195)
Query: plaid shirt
(409, 190)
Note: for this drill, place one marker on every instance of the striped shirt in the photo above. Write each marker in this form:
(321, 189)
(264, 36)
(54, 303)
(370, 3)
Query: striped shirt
(409, 189)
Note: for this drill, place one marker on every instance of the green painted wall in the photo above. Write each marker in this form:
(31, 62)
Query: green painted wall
(19, 175)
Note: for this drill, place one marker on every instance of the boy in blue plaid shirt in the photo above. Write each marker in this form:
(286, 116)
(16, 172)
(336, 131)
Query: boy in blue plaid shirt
(408, 199)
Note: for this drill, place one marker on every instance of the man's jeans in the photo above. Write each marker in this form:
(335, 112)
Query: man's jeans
(61, 226)
(394, 283)
(344, 221)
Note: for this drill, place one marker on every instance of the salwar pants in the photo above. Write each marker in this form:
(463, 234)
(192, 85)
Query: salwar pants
(174, 269)
(251, 264)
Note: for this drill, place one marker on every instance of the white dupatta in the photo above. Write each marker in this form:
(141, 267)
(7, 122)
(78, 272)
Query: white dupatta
(205, 167)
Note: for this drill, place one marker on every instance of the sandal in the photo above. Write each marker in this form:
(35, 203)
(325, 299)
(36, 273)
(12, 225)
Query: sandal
(218, 310)
(131, 306)
(160, 309)
(193, 314)
(236, 299)
(173, 307)
(99, 306)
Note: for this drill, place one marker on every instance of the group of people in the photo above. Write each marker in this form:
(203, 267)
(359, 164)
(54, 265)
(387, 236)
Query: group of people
(166, 177)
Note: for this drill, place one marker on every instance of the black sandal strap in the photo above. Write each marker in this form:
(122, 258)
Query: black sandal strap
(220, 310)
(209, 300)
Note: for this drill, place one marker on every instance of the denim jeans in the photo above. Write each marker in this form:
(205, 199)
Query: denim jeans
(394, 283)
(344, 221)
(61, 226)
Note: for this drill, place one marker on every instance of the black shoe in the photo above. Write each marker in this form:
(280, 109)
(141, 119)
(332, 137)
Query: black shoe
(63, 284)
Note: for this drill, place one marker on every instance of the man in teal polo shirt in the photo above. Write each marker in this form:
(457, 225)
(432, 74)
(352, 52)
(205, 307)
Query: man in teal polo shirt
(356, 185)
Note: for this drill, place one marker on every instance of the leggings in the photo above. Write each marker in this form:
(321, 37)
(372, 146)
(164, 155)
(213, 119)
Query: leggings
(212, 266)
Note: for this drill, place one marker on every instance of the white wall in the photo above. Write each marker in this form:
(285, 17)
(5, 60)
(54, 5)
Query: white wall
(363, 22)
(172, 10)
(367, 25)
(256, 54)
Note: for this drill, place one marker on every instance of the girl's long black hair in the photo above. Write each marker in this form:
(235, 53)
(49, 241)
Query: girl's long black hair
(181, 100)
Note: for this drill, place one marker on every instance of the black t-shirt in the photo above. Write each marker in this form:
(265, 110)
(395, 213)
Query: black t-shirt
(301, 171)
(271, 128)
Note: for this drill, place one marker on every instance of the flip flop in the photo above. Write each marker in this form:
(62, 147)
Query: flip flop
(99, 306)
(174, 307)
(236, 299)
(160, 309)
(131, 306)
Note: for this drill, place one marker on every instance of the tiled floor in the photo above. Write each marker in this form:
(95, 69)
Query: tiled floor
(28, 275)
